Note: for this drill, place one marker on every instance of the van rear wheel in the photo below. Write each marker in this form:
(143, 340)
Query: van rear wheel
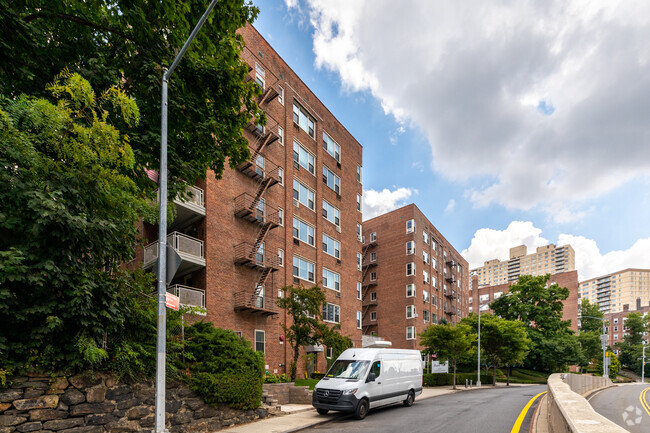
(409, 399)
(322, 411)
(362, 409)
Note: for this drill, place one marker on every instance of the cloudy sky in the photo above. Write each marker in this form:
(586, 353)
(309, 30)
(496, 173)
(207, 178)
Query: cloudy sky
(505, 122)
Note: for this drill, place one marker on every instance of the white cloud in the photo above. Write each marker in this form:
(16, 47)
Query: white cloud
(473, 77)
(377, 203)
(450, 206)
(490, 244)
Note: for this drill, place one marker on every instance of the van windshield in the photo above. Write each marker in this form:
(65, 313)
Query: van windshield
(348, 369)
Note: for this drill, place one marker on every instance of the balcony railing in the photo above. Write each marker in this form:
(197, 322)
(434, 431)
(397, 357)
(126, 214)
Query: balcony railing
(247, 301)
(258, 167)
(246, 255)
(189, 248)
(189, 296)
(255, 210)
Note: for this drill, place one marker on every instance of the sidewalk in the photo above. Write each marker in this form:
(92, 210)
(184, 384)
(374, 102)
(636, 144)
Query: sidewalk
(302, 416)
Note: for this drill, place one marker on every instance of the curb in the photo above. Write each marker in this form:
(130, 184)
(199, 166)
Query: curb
(314, 424)
(533, 422)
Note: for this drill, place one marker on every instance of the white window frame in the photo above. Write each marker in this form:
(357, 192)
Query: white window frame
(359, 320)
(303, 119)
(308, 263)
(410, 330)
(425, 257)
(303, 157)
(359, 264)
(425, 277)
(373, 256)
(426, 315)
(281, 216)
(281, 256)
(358, 173)
(373, 316)
(281, 175)
(425, 296)
(411, 290)
(336, 151)
(373, 296)
(309, 231)
(410, 312)
(410, 248)
(359, 202)
(412, 270)
(332, 181)
(333, 212)
(410, 226)
(373, 276)
(425, 237)
(359, 290)
(335, 278)
(336, 311)
(281, 135)
(280, 95)
(260, 75)
(336, 246)
(311, 195)
(263, 333)
(359, 232)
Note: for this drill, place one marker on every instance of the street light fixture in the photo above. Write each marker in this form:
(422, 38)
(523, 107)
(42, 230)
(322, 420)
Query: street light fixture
(603, 343)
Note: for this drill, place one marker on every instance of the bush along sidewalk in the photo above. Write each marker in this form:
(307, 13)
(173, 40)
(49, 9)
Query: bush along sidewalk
(446, 379)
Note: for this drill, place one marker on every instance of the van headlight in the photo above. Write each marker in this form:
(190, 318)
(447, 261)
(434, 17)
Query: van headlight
(350, 391)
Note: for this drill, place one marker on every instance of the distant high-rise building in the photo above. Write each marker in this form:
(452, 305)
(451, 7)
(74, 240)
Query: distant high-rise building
(612, 291)
(548, 259)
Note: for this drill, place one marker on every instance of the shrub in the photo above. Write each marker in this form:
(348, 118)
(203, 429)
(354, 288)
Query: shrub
(277, 378)
(225, 368)
(446, 379)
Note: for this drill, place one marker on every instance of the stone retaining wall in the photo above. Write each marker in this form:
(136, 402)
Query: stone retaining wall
(287, 393)
(98, 403)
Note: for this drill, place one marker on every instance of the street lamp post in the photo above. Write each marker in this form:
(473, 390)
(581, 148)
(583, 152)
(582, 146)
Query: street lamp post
(603, 343)
(161, 343)
(478, 369)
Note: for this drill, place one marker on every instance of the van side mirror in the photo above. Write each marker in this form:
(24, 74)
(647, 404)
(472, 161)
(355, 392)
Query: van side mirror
(371, 377)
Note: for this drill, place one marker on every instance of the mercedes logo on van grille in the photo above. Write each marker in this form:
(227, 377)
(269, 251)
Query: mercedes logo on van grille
(326, 394)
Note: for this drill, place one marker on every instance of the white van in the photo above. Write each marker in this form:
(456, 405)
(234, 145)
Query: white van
(361, 379)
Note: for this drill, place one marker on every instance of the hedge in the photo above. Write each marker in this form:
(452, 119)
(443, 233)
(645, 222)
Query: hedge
(444, 379)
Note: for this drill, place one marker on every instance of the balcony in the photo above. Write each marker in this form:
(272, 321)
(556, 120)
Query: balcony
(450, 278)
(245, 254)
(369, 303)
(250, 209)
(369, 283)
(450, 311)
(190, 249)
(369, 264)
(260, 168)
(188, 209)
(450, 294)
(451, 263)
(189, 296)
(251, 303)
(264, 135)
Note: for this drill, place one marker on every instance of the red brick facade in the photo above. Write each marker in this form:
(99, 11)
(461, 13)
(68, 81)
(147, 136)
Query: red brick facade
(616, 330)
(563, 279)
(236, 223)
(389, 307)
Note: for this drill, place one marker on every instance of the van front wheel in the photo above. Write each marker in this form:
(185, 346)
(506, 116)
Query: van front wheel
(362, 409)
(409, 399)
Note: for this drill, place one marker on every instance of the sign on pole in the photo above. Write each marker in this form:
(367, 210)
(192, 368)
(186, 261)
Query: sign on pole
(604, 339)
(172, 301)
(438, 367)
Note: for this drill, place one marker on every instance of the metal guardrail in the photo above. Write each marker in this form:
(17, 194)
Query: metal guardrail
(245, 254)
(183, 244)
(247, 301)
(189, 296)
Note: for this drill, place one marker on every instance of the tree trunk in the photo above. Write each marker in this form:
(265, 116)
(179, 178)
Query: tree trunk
(296, 353)
(508, 376)
(454, 381)
(494, 376)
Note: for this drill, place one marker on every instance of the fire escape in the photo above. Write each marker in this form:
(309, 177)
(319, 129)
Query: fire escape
(450, 291)
(253, 208)
(367, 265)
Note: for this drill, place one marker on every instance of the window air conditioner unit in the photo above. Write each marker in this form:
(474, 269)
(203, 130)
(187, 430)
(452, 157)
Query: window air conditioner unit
(338, 294)
(415, 315)
(338, 229)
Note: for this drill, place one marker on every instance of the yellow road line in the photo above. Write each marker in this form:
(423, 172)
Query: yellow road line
(522, 415)
(643, 400)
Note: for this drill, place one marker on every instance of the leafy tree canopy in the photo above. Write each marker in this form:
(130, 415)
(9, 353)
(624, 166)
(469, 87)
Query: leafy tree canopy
(449, 342)
(127, 43)
(589, 311)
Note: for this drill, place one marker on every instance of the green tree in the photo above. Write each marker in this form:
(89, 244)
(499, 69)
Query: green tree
(586, 308)
(333, 339)
(68, 217)
(539, 306)
(614, 365)
(130, 43)
(449, 342)
(590, 332)
(630, 349)
(304, 306)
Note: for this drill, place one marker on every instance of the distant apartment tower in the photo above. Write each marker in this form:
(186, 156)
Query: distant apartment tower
(483, 295)
(412, 277)
(612, 291)
(291, 214)
(548, 259)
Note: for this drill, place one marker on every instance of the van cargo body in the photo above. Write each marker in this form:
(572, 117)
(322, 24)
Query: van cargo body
(361, 379)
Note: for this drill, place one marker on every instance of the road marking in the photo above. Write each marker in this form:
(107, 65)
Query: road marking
(643, 401)
(524, 411)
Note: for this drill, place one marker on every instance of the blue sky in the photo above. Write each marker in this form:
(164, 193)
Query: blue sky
(500, 134)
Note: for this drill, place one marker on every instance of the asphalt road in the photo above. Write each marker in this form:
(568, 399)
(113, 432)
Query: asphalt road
(485, 410)
(622, 404)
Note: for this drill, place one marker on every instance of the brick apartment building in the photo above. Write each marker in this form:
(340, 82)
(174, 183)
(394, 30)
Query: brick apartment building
(616, 330)
(482, 295)
(289, 215)
(412, 277)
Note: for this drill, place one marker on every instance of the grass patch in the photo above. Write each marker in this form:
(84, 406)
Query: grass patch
(311, 383)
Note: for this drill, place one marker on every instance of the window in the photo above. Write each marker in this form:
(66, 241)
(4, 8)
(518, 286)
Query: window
(259, 341)
(425, 237)
(410, 269)
(410, 290)
(331, 246)
(373, 236)
(331, 214)
(425, 257)
(303, 195)
(331, 147)
(434, 263)
(410, 332)
(329, 352)
(303, 269)
(410, 312)
(373, 276)
(373, 316)
(280, 95)
(259, 75)
(304, 120)
(373, 296)
(332, 313)
(425, 277)
(303, 158)
(410, 226)
(410, 248)
(426, 313)
(425, 294)
(281, 175)
(331, 280)
(303, 231)
(359, 232)
(281, 216)
(358, 173)
(358, 319)
(359, 292)
(281, 135)
(358, 261)
(373, 256)
(484, 298)
(497, 295)
(433, 245)
(331, 180)
(359, 202)
(281, 257)
(434, 301)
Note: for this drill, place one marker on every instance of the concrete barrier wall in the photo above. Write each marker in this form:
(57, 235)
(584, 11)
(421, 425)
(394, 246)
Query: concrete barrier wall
(569, 412)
